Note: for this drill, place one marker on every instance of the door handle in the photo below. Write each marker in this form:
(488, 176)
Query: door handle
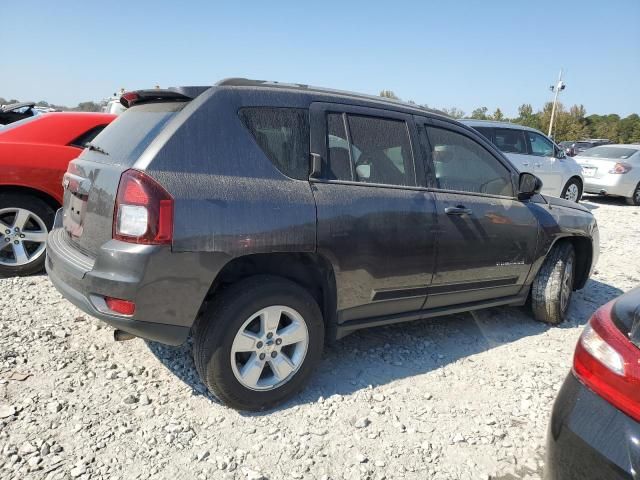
(458, 210)
(538, 165)
(526, 164)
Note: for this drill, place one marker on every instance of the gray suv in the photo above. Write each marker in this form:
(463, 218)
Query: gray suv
(267, 219)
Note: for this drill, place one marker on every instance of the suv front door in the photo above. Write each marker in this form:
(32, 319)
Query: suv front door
(376, 221)
(545, 164)
(487, 237)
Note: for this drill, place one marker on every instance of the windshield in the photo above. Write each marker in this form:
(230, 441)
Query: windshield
(609, 152)
(124, 140)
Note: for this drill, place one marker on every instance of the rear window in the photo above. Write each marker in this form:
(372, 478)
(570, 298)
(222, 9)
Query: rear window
(609, 152)
(131, 133)
(283, 136)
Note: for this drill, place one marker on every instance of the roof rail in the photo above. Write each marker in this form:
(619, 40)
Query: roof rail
(247, 82)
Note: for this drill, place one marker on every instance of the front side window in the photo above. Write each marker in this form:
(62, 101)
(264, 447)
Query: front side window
(87, 136)
(463, 165)
(283, 136)
(377, 150)
(511, 141)
(540, 145)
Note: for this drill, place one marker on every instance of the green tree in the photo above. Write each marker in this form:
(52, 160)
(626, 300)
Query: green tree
(453, 112)
(480, 113)
(498, 116)
(389, 94)
(88, 107)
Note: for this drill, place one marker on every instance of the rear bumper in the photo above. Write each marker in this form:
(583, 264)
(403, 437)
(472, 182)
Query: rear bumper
(611, 184)
(167, 288)
(588, 438)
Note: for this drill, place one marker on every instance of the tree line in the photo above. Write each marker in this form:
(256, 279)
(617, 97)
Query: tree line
(81, 107)
(571, 124)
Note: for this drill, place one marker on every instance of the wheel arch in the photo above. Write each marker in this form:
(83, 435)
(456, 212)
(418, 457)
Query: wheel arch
(583, 248)
(34, 192)
(310, 270)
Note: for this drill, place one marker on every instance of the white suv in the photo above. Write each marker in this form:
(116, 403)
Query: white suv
(533, 152)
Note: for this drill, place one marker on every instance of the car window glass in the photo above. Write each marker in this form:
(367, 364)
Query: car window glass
(462, 164)
(338, 149)
(540, 145)
(511, 140)
(486, 132)
(87, 136)
(385, 151)
(283, 136)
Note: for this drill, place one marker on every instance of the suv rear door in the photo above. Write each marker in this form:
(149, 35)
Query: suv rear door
(487, 237)
(545, 164)
(375, 219)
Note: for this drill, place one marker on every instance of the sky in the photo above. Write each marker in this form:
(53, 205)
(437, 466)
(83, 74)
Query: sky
(464, 53)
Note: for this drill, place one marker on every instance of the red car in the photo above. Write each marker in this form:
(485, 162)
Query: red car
(34, 154)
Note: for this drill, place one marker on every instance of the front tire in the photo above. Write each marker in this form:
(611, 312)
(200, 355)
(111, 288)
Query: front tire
(552, 287)
(25, 222)
(258, 342)
(635, 198)
(572, 190)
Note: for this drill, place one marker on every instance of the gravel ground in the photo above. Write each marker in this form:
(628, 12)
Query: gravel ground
(462, 397)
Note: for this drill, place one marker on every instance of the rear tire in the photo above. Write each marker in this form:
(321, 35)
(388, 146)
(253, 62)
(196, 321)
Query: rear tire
(572, 190)
(635, 198)
(552, 287)
(32, 216)
(232, 341)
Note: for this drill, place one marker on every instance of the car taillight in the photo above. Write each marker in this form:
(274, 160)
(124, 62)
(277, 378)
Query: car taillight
(620, 167)
(143, 211)
(608, 363)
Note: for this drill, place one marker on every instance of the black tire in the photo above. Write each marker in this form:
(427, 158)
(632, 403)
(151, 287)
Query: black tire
(546, 291)
(635, 198)
(221, 320)
(37, 207)
(578, 185)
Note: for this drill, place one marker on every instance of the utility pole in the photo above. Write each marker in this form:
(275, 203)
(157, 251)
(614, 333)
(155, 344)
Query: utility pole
(557, 89)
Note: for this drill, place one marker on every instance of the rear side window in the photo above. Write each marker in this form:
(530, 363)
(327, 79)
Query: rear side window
(486, 132)
(376, 150)
(86, 137)
(463, 165)
(283, 136)
(132, 132)
(511, 141)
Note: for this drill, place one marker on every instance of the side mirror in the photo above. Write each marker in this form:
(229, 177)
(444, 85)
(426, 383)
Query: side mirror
(561, 154)
(528, 186)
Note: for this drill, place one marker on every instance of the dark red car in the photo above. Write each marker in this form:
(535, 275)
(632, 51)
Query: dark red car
(34, 154)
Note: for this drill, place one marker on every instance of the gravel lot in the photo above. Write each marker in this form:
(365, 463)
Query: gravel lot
(457, 397)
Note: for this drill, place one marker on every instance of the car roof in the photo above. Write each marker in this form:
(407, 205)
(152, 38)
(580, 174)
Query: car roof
(495, 124)
(620, 145)
(305, 89)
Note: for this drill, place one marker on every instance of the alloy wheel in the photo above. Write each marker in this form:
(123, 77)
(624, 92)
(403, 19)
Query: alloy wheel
(23, 236)
(572, 193)
(567, 285)
(269, 348)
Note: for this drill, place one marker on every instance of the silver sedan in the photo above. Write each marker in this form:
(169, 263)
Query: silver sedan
(612, 170)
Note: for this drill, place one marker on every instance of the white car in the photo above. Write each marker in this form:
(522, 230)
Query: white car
(612, 170)
(533, 152)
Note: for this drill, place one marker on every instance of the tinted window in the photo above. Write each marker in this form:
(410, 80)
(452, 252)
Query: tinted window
(486, 132)
(381, 151)
(283, 135)
(463, 165)
(338, 149)
(86, 137)
(511, 141)
(540, 145)
(132, 132)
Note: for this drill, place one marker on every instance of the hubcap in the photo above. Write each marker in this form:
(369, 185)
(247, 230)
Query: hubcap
(567, 285)
(572, 193)
(269, 348)
(22, 237)
(637, 194)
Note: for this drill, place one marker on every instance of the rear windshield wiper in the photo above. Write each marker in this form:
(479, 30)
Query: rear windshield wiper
(95, 148)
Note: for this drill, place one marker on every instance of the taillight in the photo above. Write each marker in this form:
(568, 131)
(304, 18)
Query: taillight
(143, 211)
(620, 167)
(608, 363)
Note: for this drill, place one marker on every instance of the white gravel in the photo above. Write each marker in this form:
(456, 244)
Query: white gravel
(464, 397)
